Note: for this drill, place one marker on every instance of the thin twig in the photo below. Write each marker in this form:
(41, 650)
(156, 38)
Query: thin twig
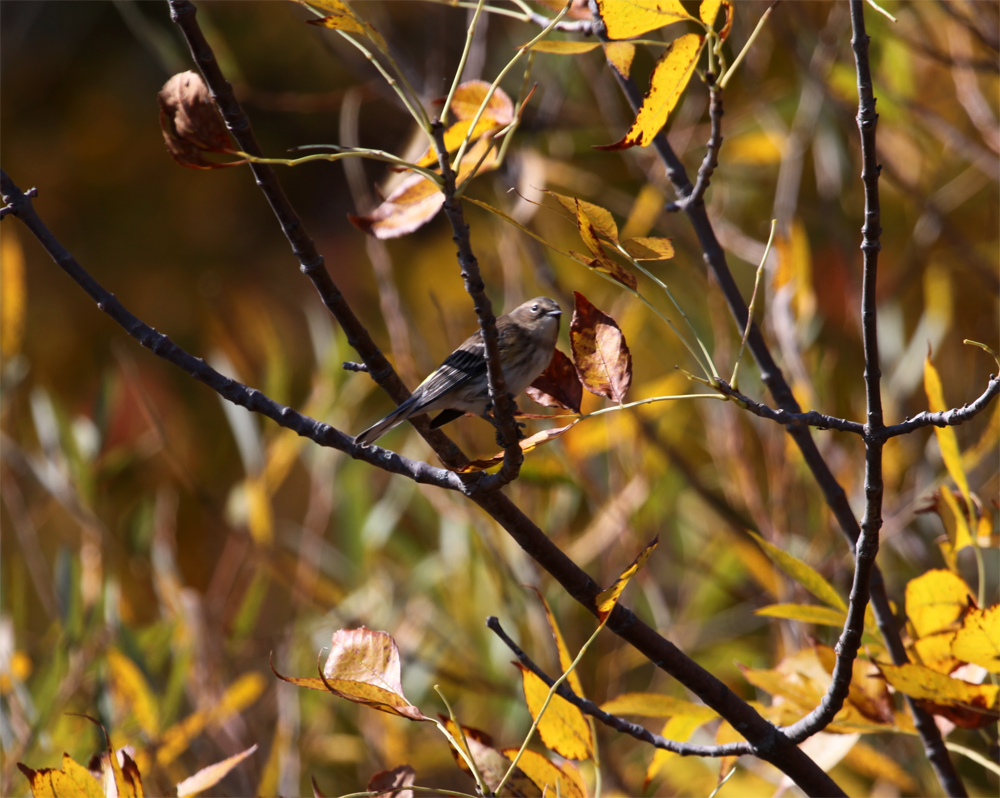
(711, 159)
(786, 419)
(946, 418)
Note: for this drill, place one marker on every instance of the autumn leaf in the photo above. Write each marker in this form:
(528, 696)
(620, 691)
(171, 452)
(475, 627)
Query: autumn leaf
(620, 55)
(978, 641)
(607, 599)
(601, 220)
(342, 17)
(645, 248)
(190, 122)
(805, 575)
(550, 778)
(561, 47)
(935, 600)
(600, 352)
(72, 781)
(656, 705)
(807, 613)
(624, 20)
(565, 660)
(563, 728)
(470, 95)
(491, 764)
(917, 681)
(363, 667)
(211, 775)
(558, 385)
(13, 293)
(393, 783)
(947, 441)
(529, 443)
(670, 77)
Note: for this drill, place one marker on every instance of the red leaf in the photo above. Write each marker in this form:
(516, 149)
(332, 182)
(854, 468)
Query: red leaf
(558, 385)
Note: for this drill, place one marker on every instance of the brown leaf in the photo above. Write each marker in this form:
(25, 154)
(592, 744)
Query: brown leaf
(527, 445)
(395, 780)
(558, 385)
(190, 121)
(600, 352)
(600, 218)
(492, 765)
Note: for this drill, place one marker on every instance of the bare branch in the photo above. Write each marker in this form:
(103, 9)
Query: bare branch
(946, 418)
(786, 419)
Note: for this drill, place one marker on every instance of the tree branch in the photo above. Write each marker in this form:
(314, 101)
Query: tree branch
(946, 418)
(614, 721)
(786, 419)
(502, 401)
(711, 159)
(311, 262)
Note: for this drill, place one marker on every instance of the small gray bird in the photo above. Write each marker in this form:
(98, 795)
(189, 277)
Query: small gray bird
(526, 337)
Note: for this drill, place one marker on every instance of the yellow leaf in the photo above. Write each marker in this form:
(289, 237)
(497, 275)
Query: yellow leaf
(626, 18)
(492, 765)
(601, 220)
(935, 600)
(678, 728)
(563, 728)
(620, 55)
(562, 47)
(645, 211)
(945, 435)
(342, 17)
(649, 248)
(655, 705)
(757, 148)
(527, 445)
(600, 262)
(133, 690)
(565, 660)
(963, 537)
(709, 10)
(807, 613)
(469, 97)
(917, 681)
(803, 574)
(260, 518)
(607, 599)
(978, 641)
(670, 78)
(13, 293)
(547, 776)
(73, 781)
(211, 775)
(455, 135)
(986, 443)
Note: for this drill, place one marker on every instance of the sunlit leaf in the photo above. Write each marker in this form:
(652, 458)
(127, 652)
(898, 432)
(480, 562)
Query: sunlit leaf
(649, 248)
(806, 576)
(529, 443)
(962, 537)
(655, 705)
(868, 692)
(558, 385)
(601, 221)
(211, 775)
(563, 728)
(565, 660)
(342, 17)
(72, 781)
(470, 95)
(620, 55)
(624, 20)
(978, 641)
(874, 764)
(600, 352)
(190, 122)
(917, 681)
(945, 435)
(491, 764)
(807, 613)
(607, 599)
(562, 47)
(547, 776)
(670, 78)
(936, 600)
(133, 690)
(709, 10)
(679, 728)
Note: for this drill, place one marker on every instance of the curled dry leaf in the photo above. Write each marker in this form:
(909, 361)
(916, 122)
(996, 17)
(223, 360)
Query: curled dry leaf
(393, 783)
(363, 667)
(601, 220)
(600, 352)
(190, 122)
(670, 77)
(211, 775)
(607, 599)
(558, 385)
(527, 445)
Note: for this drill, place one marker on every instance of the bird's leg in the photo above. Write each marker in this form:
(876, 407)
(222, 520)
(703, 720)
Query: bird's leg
(491, 418)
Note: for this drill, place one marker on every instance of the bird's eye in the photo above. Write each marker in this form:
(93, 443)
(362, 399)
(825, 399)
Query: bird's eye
(534, 308)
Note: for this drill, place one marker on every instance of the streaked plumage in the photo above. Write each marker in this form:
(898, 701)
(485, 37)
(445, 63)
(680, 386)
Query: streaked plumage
(526, 338)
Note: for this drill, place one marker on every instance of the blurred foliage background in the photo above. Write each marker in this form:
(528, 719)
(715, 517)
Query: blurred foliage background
(158, 547)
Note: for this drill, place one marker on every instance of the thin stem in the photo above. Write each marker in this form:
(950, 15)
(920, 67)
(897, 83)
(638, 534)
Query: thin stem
(753, 301)
(375, 155)
(461, 62)
(788, 419)
(652, 400)
(508, 132)
(748, 45)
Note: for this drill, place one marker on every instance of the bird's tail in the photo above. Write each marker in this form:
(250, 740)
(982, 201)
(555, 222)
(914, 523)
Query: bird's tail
(396, 417)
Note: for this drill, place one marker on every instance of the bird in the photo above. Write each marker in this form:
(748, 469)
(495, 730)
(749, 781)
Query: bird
(527, 339)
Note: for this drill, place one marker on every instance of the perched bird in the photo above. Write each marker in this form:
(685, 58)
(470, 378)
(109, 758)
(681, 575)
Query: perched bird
(526, 337)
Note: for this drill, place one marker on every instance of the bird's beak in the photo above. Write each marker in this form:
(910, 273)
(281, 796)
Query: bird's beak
(555, 312)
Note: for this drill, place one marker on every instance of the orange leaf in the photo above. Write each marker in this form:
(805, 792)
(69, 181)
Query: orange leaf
(558, 385)
(600, 352)
(342, 17)
(601, 220)
(565, 660)
(670, 78)
(563, 728)
(550, 778)
(649, 248)
(624, 20)
(527, 445)
(607, 599)
(470, 95)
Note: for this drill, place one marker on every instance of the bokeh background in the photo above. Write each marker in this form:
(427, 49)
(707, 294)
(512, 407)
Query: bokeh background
(158, 547)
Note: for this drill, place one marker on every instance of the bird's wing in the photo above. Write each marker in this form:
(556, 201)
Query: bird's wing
(464, 364)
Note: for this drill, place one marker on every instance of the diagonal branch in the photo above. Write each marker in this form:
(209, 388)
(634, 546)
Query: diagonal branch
(614, 721)
(946, 418)
(711, 159)
(786, 419)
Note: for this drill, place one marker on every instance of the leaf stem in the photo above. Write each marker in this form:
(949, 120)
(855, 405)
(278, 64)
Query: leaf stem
(375, 155)
(746, 47)
(753, 299)
(470, 761)
(461, 62)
